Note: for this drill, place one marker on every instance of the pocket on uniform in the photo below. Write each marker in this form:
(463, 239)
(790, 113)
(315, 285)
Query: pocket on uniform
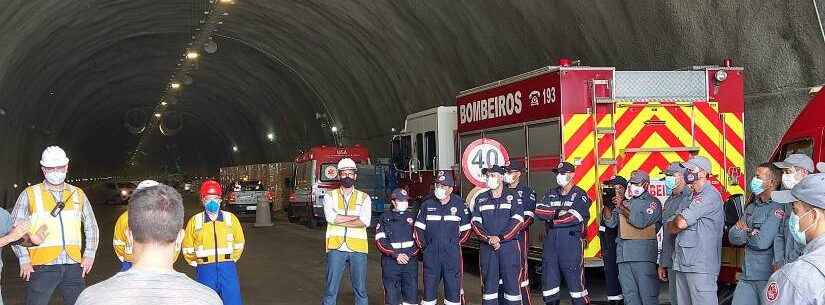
(688, 238)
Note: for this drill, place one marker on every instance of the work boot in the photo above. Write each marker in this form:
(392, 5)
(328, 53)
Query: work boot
(619, 302)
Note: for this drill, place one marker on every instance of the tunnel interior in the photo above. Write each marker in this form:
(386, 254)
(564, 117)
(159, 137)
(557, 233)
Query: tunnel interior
(87, 74)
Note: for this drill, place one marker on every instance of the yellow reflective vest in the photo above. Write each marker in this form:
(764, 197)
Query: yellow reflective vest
(206, 241)
(123, 248)
(354, 238)
(64, 231)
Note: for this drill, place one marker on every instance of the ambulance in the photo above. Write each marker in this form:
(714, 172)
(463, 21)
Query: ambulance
(609, 122)
(316, 173)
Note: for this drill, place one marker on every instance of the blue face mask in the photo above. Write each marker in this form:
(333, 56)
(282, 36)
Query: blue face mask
(757, 185)
(212, 206)
(670, 183)
(793, 227)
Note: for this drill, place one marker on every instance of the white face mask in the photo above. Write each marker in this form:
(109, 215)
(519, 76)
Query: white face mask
(635, 190)
(440, 193)
(56, 178)
(509, 179)
(493, 182)
(789, 181)
(401, 206)
(562, 179)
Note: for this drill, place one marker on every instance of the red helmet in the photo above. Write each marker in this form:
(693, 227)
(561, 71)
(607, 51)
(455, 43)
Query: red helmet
(211, 187)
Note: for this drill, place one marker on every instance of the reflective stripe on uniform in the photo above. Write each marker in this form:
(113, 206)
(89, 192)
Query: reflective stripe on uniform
(380, 236)
(505, 206)
(210, 252)
(529, 213)
(451, 303)
(485, 207)
(477, 219)
(428, 302)
(420, 225)
(403, 245)
(615, 297)
(525, 283)
(465, 227)
(518, 217)
(577, 215)
(490, 296)
(577, 295)
(550, 292)
(512, 298)
(452, 218)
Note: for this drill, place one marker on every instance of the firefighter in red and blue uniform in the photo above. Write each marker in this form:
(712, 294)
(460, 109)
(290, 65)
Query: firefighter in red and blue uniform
(565, 211)
(497, 221)
(399, 262)
(442, 226)
(526, 198)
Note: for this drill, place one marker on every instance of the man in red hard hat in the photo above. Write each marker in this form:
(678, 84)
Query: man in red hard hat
(213, 243)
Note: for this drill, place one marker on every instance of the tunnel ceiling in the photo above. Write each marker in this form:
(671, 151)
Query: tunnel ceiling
(70, 71)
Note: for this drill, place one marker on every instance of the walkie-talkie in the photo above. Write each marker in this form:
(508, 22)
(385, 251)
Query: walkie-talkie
(58, 208)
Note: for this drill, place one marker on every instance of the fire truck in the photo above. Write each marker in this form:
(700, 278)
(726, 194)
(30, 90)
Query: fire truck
(316, 174)
(610, 122)
(807, 133)
(426, 145)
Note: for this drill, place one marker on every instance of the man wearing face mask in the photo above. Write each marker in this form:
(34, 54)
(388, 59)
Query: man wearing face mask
(57, 263)
(347, 212)
(638, 219)
(213, 243)
(441, 227)
(794, 167)
(565, 211)
(607, 237)
(526, 198)
(399, 265)
(698, 229)
(802, 281)
(757, 230)
(497, 220)
(679, 199)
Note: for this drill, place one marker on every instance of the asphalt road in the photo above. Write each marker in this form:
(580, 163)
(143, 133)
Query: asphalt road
(281, 265)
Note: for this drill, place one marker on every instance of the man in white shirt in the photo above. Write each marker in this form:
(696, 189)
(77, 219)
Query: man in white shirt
(347, 212)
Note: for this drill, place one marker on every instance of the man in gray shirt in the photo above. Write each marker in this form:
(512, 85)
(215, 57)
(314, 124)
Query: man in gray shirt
(155, 226)
(698, 229)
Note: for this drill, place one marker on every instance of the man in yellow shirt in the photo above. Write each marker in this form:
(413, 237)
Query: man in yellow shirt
(121, 244)
(213, 242)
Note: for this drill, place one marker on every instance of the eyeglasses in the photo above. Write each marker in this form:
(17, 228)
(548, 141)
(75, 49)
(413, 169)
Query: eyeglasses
(346, 174)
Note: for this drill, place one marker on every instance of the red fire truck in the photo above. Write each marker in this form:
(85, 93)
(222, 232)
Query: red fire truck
(610, 122)
(315, 174)
(807, 133)
(426, 145)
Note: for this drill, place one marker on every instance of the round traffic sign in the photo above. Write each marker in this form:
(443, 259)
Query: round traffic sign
(480, 154)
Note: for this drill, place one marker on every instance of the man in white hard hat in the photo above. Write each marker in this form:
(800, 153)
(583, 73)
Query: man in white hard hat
(347, 213)
(57, 262)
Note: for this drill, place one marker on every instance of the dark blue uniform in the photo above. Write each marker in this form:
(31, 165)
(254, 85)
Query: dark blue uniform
(440, 231)
(394, 236)
(607, 238)
(526, 197)
(565, 216)
(501, 217)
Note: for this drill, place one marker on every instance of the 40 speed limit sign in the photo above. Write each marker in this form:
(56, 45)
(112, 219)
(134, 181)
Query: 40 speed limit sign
(480, 154)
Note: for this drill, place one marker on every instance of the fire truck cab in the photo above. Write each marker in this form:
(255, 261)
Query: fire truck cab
(316, 174)
(807, 133)
(426, 145)
(609, 122)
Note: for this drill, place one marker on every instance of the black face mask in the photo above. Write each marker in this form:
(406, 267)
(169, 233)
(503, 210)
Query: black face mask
(347, 182)
(691, 177)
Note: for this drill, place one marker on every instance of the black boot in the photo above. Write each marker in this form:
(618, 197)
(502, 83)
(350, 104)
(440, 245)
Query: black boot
(620, 302)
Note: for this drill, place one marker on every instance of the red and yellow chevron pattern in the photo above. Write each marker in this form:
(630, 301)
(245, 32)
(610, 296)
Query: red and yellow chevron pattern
(649, 136)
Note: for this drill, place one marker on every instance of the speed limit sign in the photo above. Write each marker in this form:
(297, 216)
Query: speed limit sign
(480, 154)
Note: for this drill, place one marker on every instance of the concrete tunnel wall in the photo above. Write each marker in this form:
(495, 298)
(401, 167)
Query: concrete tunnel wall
(71, 70)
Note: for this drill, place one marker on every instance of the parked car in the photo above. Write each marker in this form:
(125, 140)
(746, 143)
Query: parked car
(242, 197)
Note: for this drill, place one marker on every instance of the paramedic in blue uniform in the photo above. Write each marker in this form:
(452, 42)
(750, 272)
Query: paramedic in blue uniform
(612, 196)
(756, 230)
(399, 264)
(794, 167)
(679, 198)
(698, 228)
(442, 225)
(802, 281)
(638, 219)
(526, 197)
(497, 220)
(565, 212)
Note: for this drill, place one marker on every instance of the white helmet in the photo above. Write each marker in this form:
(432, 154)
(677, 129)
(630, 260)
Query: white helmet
(146, 183)
(346, 163)
(54, 156)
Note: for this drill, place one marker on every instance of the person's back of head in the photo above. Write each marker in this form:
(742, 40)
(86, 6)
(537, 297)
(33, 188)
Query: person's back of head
(156, 215)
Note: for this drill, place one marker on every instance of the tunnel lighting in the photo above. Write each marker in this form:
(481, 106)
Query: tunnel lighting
(270, 136)
(15, 185)
(163, 103)
(334, 128)
(174, 85)
(235, 148)
(157, 115)
(192, 55)
(392, 129)
(227, 1)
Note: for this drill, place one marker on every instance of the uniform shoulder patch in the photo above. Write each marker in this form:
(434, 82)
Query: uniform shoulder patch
(772, 292)
(697, 199)
(779, 213)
